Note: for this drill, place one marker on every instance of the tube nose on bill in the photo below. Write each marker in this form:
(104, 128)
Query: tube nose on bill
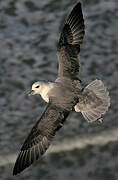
(31, 93)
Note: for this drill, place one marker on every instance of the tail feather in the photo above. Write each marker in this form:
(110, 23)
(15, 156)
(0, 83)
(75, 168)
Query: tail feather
(94, 102)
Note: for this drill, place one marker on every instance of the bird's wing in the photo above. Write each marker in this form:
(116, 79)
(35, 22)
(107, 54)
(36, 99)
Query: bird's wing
(40, 137)
(69, 44)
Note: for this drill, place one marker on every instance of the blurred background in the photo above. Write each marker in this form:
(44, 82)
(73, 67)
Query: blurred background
(29, 32)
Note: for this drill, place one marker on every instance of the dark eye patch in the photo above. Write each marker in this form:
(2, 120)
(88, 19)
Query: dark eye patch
(37, 86)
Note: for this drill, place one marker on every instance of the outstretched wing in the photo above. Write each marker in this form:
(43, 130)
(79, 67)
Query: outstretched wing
(40, 137)
(69, 44)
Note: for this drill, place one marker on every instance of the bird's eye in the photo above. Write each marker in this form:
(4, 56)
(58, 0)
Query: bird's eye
(37, 86)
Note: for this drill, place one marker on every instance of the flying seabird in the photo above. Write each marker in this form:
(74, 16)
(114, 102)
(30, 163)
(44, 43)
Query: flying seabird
(63, 95)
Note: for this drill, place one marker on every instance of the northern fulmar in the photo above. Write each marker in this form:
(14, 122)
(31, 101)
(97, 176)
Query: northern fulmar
(63, 95)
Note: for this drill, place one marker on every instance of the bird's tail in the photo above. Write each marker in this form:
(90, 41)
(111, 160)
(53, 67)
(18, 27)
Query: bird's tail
(94, 102)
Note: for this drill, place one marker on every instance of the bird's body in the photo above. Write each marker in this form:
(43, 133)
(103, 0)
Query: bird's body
(64, 92)
(63, 95)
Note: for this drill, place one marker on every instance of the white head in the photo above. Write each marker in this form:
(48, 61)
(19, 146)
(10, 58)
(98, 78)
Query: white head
(36, 88)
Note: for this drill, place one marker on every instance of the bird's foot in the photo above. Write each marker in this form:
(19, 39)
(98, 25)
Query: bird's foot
(100, 120)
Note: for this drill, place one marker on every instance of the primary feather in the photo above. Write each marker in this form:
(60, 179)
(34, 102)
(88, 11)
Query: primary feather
(69, 44)
(40, 137)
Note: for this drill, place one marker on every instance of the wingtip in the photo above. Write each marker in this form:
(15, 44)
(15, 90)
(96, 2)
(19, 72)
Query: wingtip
(15, 171)
(76, 22)
(78, 5)
(26, 157)
(21, 163)
(18, 169)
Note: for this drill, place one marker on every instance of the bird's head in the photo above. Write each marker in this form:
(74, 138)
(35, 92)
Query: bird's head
(36, 87)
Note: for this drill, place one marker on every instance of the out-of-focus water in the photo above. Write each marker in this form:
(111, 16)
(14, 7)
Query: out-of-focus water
(29, 31)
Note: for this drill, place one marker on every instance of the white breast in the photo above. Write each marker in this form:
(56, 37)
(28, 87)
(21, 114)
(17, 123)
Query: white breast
(45, 91)
(44, 95)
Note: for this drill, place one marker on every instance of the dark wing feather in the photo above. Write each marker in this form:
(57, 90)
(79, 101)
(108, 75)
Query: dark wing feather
(40, 137)
(69, 44)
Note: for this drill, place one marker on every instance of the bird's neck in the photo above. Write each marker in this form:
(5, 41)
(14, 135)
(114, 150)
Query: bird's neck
(45, 90)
